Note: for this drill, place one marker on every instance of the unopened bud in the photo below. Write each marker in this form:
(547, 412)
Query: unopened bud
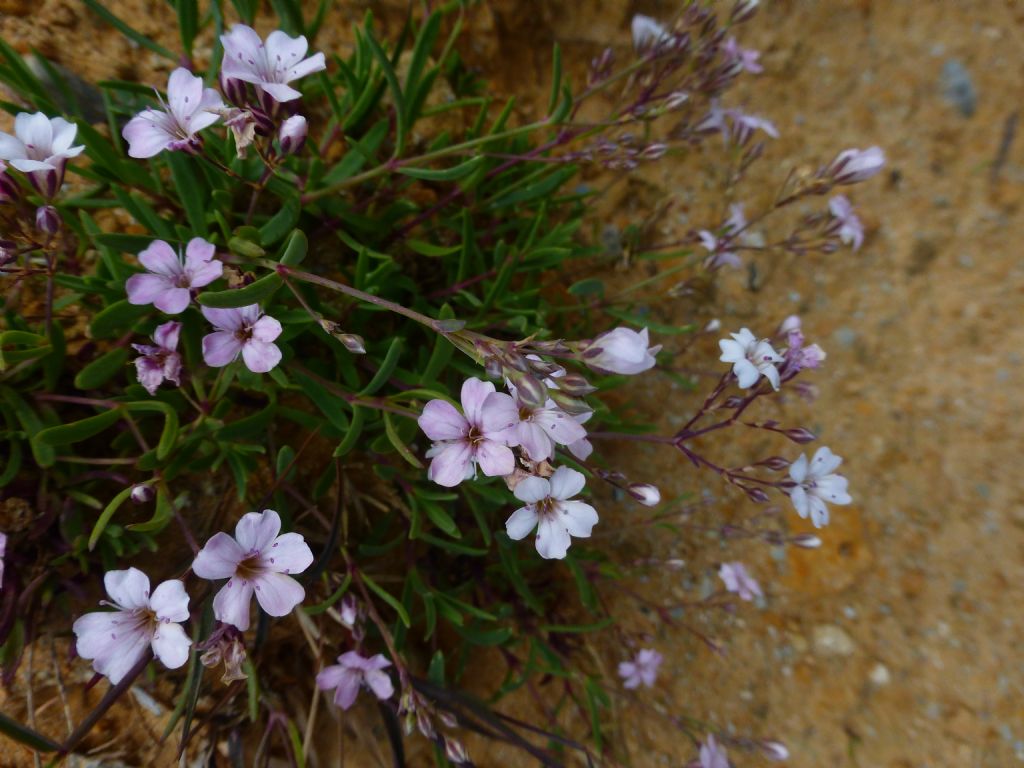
(806, 541)
(451, 325)
(447, 719)
(799, 435)
(493, 368)
(575, 385)
(756, 495)
(855, 165)
(676, 100)
(292, 134)
(142, 493)
(47, 219)
(571, 405)
(455, 752)
(645, 493)
(774, 750)
(544, 367)
(654, 152)
(349, 611)
(743, 10)
(775, 463)
(424, 725)
(353, 343)
(410, 722)
(530, 391)
(713, 325)
(233, 90)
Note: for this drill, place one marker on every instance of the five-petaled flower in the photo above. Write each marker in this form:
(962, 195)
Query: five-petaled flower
(161, 362)
(464, 441)
(117, 640)
(712, 755)
(739, 581)
(255, 560)
(551, 509)
(170, 278)
(270, 66)
(40, 148)
(621, 350)
(642, 670)
(816, 483)
(351, 672)
(189, 109)
(751, 358)
(246, 331)
(540, 429)
(846, 223)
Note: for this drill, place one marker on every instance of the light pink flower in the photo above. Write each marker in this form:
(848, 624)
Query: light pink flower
(551, 509)
(850, 230)
(712, 755)
(816, 483)
(293, 134)
(643, 670)
(745, 59)
(540, 429)
(162, 362)
(648, 32)
(353, 671)
(751, 359)
(744, 125)
(246, 331)
(478, 437)
(739, 581)
(117, 640)
(170, 278)
(271, 65)
(40, 148)
(621, 350)
(256, 560)
(189, 109)
(855, 165)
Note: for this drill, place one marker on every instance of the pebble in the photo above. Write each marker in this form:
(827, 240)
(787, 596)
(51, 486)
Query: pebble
(879, 675)
(831, 640)
(958, 87)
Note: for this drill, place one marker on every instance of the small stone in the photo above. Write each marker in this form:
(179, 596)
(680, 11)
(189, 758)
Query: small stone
(831, 640)
(958, 87)
(879, 675)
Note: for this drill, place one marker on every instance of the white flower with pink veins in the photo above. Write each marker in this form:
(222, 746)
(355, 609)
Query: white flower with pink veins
(817, 483)
(751, 358)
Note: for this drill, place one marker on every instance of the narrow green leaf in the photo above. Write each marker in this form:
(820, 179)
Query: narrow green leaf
(387, 367)
(102, 369)
(188, 23)
(401, 112)
(169, 435)
(76, 431)
(401, 447)
(281, 223)
(446, 174)
(254, 293)
(25, 735)
(96, 7)
(295, 250)
(161, 515)
(192, 192)
(106, 515)
(388, 598)
(119, 317)
(355, 431)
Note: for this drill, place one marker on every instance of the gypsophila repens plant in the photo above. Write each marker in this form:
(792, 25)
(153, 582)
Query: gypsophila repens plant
(297, 397)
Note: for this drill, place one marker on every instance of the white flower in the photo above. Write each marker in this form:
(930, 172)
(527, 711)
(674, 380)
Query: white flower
(648, 32)
(551, 510)
(751, 358)
(816, 483)
(621, 350)
(40, 149)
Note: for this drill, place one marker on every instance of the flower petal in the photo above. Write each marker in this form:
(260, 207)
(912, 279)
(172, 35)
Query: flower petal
(441, 421)
(495, 459)
(95, 632)
(147, 288)
(566, 483)
(231, 605)
(552, 539)
(266, 329)
(173, 301)
(348, 689)
(123, 655)
(289, 553)
(147, 134)
(220, 348)
(128, 588)
(224, 319)
(171, 644)
(259, 356)
(474, 393)
(521, 522)
(578, 518)
(169, 601)
(219, 559)
(256, 531)
(451, 463)
(380, 683)
(277, 593)
(532, 489)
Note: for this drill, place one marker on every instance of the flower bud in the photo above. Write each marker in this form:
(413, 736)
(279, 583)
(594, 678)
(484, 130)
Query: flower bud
(47, 219)
(743, 10)
(756, 495)
(529, 390)
(775, 463)
(805, 541)
(142, 493)
(424, 725)
(774, 750)
(571, 405)
(493, 368)
(353, 342)
(855, 165)
(293, 134)
(645, 493)
(447, 719)
(654, 152)
(575, 385)
(621, 350)
(234, 90)
(349, 611)
(799, 435)
(455, 752)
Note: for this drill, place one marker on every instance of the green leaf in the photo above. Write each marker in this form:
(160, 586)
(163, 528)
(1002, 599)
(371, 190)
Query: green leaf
(96, 7)
(39, 346)
(439, 516)
(25, 735)
(188, 23)
(446, 174)
(43, 454)
(401, 447)
(161, 515)
(119, 317)
(295, 250)
(254, 293)
(192, 193)
(76, 431)
(590, 286)
(122, 242)
(388, 598)
(102, 369)
(359, 153)
(354, 432)
(281, 223)
(387, 367)
(556, 78)
(169, 435)
(429, 249)
(106, 514)
(401, 110)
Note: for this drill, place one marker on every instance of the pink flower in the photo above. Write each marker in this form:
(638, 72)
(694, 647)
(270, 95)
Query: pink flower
(712, 755)
(246, 331)
(751, 359)
(744, 125)
(256, 560)
(744, 59)
(351, 672)
(816, 483)
(540, 429)
(117, 640)
(40, 148)
(739, 581)
(190, 108)
(854, 165)
(171, 278)
(551, 509)
(478, 437)
(271, 65)
(621, 350)
(643, 670)
(848, 225)
(162, 362)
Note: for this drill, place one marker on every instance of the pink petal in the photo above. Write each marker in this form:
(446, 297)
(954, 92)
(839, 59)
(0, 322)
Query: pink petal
(566, 483)
(160, 259)
(256, 531)
(173, 301)
(474, 393)
(451, 464)
(535, 441)
(184, 92)
(266, 329)
(122, 655)
(314, 63)
(380, 683)
(166, 335)
(441, 421)
(561, 427)
(283, 51)
(224, 319)
(578, 518)
(170, 644)
(289, 553)
(532, 489)
(94, 632)
(231, 605)
(128, 588)
(331, 677)
(260, 357)
(552, 539)
(169, 601)
(149, 374)
(147, 288)
(219, 558)
(280, 91)
(499, 412)
(198, 256)
(147, 135)
(34, 129)
(348, 689)
(220, 348)
(277, 593)
(495, 459)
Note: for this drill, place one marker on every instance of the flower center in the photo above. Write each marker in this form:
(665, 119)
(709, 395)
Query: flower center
(547, 507)
(251, 567)
(474, 436)
(243, 334)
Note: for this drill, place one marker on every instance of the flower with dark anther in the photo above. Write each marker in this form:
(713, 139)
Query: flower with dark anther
(352, 672)
(855, 165)
(712, 755)
(40, 148)
(170, 277)
(845, 222)
(648, 33)
(540, 429)
(551, 509)
(480, 437)
(738, 581)
(642, 670)
(161, 362)
(270, 66)
(751, 358)
(117, 640)
(816, 483)
(621, 350)
(244, 331)
(256, 560)
(189, 109)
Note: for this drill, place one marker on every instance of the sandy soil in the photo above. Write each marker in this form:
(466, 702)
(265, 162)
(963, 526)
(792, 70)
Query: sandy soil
(895, 645)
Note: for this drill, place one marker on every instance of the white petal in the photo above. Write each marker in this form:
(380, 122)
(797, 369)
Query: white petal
(521, 522)
(566, 483)
(552, 539)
